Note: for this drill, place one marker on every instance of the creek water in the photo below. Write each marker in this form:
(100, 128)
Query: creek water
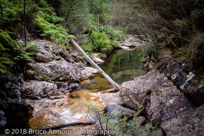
(121, 66)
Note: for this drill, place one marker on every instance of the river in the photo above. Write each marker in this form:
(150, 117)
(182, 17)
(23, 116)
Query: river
(121, 65)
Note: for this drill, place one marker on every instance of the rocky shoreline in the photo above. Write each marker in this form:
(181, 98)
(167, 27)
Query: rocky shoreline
(41, 96)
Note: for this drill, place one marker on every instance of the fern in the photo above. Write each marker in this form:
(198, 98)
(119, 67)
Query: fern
(14, 56)
(5, 64)
(6, 41)
(101, 42)
(55, 31)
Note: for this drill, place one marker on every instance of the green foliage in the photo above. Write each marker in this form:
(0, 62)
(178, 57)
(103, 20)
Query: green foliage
(12, 55)
(23, 55)
(13, 14)
(88, 48)
(7, 43)
(121, 127)
(118, 35)
(195, 50)
(47, 28)
(46, 78)
(76, 15)
(150, 49)
(127, 127)
(101, 42)
(5, 65)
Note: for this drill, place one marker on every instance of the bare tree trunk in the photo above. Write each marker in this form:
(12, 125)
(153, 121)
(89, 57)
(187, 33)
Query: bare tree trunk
(25, 23)
(114, 84)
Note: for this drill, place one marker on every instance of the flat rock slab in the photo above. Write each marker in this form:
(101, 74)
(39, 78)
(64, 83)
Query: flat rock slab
(110, 98)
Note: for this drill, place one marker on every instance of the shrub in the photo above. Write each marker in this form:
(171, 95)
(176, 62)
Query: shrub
(150, 49)
(101, 42)
(119, 35)
(195, 50)
(120, 127)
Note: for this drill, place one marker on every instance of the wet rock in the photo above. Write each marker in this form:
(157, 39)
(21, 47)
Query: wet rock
(73, 86)
(111, 98)
(46, 112)
(35, 89)
(117, 111)
(141, 120)
(189, 123)
(160, 97)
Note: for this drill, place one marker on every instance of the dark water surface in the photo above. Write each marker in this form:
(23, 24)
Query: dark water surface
(123, 65)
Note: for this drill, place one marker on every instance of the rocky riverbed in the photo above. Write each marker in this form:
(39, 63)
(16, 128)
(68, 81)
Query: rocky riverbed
(58, 88)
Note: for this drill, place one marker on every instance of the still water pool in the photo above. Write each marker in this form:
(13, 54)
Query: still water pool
(123, 65)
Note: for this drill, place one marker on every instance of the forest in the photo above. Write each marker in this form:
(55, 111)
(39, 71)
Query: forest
(146, 77)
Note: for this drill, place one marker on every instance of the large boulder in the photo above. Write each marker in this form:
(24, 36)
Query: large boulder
(37, 89)
(159, 96)
(184, 79)
(57, 64)
(60, 70)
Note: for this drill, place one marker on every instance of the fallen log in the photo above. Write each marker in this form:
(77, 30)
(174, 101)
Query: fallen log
(113, 83)
(68, 125)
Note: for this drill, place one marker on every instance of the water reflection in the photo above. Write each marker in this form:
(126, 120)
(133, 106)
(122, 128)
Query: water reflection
(124, 65)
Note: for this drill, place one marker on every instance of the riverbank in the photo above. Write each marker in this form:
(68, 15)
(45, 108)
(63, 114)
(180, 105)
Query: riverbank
(60, 88)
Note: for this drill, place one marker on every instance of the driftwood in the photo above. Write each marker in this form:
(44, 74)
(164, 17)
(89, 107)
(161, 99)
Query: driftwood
(113, 83)
(69, 125)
